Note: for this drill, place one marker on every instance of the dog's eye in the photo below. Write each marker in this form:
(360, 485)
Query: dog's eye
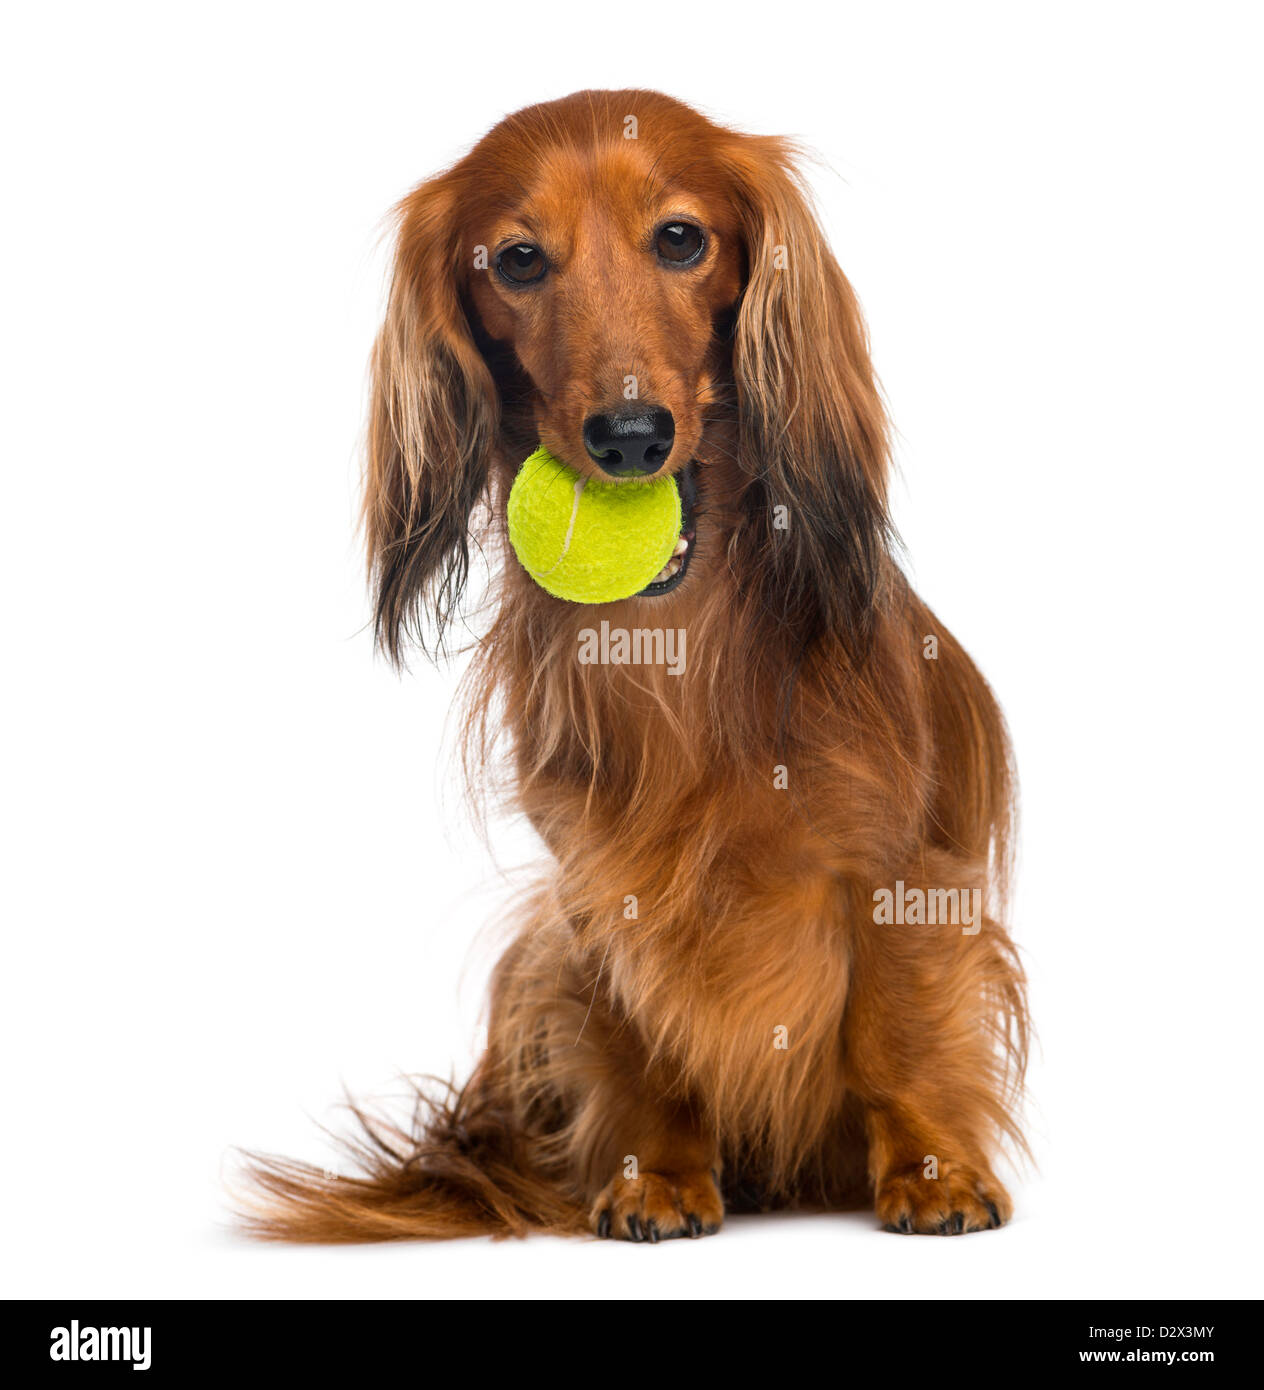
(521, 264)
(679, 242)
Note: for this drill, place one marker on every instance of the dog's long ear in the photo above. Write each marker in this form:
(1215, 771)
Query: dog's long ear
(813, 427)
(432, 424)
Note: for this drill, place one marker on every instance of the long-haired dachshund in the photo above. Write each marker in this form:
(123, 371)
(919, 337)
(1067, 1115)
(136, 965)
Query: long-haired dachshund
(767, 965)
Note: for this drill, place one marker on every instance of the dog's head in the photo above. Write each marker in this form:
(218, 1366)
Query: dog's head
(642, 291)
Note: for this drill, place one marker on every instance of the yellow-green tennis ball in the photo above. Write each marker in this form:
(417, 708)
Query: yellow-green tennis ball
(586, 540)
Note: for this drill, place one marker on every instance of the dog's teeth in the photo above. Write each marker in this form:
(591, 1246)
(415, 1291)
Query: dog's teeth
(673, 565)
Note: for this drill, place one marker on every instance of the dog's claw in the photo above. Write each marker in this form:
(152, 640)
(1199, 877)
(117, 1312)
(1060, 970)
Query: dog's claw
(634, 1228)
(603, 1225)
(695, 1225)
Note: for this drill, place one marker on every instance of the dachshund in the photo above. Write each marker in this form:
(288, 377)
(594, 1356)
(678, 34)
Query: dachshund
(751, 977)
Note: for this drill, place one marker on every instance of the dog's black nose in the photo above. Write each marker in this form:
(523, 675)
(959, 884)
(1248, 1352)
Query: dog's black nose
(625, 445)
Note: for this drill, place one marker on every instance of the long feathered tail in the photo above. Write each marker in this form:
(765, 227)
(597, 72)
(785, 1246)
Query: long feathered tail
(461, 1168)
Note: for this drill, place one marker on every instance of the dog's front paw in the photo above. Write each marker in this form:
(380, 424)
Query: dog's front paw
(658, 1206)
(960, 1199)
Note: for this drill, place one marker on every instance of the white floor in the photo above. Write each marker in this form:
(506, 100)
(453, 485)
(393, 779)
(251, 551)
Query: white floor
(1087, 1245)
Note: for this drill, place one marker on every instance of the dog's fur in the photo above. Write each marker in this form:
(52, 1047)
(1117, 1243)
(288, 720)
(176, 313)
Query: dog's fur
(746, 1033)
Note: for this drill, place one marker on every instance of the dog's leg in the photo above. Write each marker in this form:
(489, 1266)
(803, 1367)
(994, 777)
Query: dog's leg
(641, 1165)
(928, 1182)
(666, 1183)
(923, 1062)
(666, 1175)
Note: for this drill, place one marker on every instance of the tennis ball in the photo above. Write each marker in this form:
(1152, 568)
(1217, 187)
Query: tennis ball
(590, 541)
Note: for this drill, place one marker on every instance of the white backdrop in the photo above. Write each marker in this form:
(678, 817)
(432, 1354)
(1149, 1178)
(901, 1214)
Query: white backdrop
(237, 872)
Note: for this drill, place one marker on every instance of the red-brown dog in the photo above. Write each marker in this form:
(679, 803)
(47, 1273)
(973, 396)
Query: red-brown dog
(758, 972)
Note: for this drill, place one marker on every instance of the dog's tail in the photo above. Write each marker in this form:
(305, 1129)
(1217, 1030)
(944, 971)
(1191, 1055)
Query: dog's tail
(464, 1167)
